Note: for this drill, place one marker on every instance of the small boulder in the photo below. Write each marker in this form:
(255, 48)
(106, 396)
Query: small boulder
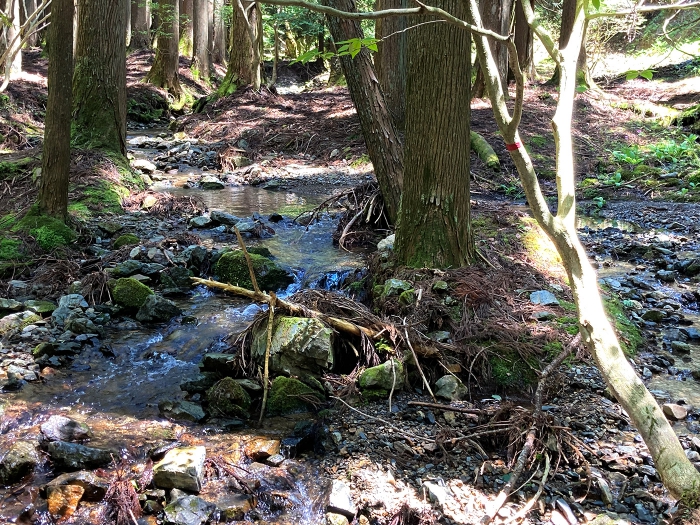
(181, 468)
(176, 278)
(157, 308)
(655, 316)
(77, 457)
(125, 269)
(14, 323)
(211, 183)
(201, 222)
(544, 297)
(234, 506)
(40, 307)
(261, 448)
(10, 305)
(228, 398)
(188, 510)
(386, 245)
(94, 486)
(62, 428)
(382, 377)
(340, 500)
(395, 287)
(18, 462)
(62, 501)
(674, 412)
(222, 217)
(181, 410)
(451, 388)
(232, 268)
(128, 239)
(143, 165)
(129, 292)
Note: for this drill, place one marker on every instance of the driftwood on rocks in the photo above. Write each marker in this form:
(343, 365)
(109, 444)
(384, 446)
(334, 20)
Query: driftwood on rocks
(341, 325)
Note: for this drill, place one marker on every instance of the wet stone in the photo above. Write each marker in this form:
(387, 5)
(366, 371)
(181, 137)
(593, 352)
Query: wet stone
(262, 448)
(74, 456)
(221, 217)
(181, 410)
(18, 462)
(234, 506)
(40, 307)
(62, 428)
(691, 333)
(63, 500)
(188, 510)
(10, 304)
(157, 308)
(94, 486)
(340, 500)
(201, 222)
(680, 347)
(674, 412)
(181, 468)
(655, 316)
(666, 276)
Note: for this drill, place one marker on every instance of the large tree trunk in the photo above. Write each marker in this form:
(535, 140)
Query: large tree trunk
(55, 165)
(677, 473)
(524, 42)
(434, 228)
(164, 71)
(140, 24)
(186, 27)
(99, 82)
(383, 145)
(390, 60)
(201, 65)
(496, 15)
(244, 64)
(218, 47)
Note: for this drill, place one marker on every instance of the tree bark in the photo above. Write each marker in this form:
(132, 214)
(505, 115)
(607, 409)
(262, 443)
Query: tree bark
(677, 473)
(186, 27)
(218, 47)
(164, 71)
(496, 16)
(201, 65)
(99, 81)
(383, 144)
(434, 228)
(140, 24)
(524, 41)
(390, 60)
(244, 63)
(55, 161)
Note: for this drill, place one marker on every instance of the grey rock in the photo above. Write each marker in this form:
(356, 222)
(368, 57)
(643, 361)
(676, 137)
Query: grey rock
(386, 245)
(218, 362)
(451, 388)
(176, 278)
(643, 514)
(40, 307)
(246, 226)
(436, 492)
(144, 165)
(188, 510)
(73, 301)
(211, 183)
(543, 315)
(10, 304)
(157, 308)
(181, 410)
(680, 347)
(95, 486)
(62, 428)
(692, 455)
(222, 217)
(74, 456)
(667, 276)
(605, 493)
(691, 333)
(201, 222)
(395, 287)
(383, 377)
(18, 462)
(126, 268)
(300, 346)
(544, 297)
(81, 325)
(340, 500)
(181, 468)
(655, 316)
(234, 506)
(200, 383)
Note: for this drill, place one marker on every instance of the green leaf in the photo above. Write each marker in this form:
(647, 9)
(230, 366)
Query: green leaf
(647, 73)
(355, 47)
(581, 88)
(596, 4)
(311, 54)
(631, 74)
(344, 48)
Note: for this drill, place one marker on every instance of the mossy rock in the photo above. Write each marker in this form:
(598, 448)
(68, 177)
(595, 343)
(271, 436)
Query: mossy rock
(232, 268)
(383, 377)
(510, 371)
(228, 398)
(129, 292)
(286, 396)
(128, 239)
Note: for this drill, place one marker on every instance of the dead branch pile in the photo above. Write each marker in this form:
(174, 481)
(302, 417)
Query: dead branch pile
(165, 204)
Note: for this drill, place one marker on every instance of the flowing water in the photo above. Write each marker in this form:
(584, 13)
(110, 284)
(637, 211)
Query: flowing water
(116, 388)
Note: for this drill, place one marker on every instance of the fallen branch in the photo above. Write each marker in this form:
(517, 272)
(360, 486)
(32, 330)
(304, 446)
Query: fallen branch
(532, 433)
(266, 374)
(247, 260)
(341, 325)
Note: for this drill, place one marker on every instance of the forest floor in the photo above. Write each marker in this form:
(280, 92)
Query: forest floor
(622, 129)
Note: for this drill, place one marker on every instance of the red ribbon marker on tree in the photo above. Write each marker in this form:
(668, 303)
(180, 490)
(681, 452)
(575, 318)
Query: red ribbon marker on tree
(514, 146)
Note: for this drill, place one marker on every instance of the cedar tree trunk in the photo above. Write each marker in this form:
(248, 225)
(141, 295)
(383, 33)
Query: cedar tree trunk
(55, 161)
(140, 24)
(99, 81)
(434, 228)
(186, 27)
(383, 144)
(201, 64)
(164, 71)
(390, 60)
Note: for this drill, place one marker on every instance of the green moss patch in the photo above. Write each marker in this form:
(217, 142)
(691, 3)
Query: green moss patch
(288, 395)
(128, 239)
(129, 292)
(49, 232)
(9, 249)
(509, 370)
(232, 268)
(627, 332)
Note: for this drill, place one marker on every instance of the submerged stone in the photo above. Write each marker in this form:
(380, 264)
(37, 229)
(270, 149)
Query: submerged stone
(181, 410)
(157, 308)
(94, 486)
(74, 456)
(188, 510)
(19, 461)
(62, 428)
